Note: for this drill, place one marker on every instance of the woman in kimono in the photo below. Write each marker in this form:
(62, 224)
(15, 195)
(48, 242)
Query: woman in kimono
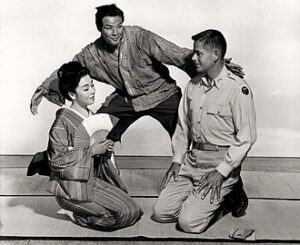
(83, 178)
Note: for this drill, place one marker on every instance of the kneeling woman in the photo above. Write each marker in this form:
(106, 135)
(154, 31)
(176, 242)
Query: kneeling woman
(78, 166)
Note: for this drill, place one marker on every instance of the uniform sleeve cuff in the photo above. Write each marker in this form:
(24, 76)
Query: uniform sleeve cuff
(178, 159)
(224, 169)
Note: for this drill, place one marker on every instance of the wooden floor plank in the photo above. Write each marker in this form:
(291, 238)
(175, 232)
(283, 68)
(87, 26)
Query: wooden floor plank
(135, 241)
(9, 161)
(273, 164)
(36, 217)
(15, 182)
(146, 182)
(33, 219)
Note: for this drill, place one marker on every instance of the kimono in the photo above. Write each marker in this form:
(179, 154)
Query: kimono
(88, 186)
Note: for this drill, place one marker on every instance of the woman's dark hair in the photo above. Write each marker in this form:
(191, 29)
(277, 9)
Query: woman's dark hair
(107, 10)
(69, 75)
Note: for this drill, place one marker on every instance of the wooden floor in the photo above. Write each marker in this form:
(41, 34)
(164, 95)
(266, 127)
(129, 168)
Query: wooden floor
(28, 212)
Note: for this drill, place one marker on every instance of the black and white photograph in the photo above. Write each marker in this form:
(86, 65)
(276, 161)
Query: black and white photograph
(149, 122)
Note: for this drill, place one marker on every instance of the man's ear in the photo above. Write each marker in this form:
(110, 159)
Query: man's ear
(72, 95)
(216, 55)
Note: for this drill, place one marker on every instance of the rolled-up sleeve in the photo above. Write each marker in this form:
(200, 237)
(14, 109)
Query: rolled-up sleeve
(244, 121)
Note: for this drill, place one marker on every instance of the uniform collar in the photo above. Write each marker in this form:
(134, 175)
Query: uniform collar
(223, 74)
(217, 81)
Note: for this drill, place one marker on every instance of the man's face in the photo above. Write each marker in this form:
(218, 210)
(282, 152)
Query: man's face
(203, 57)
(112, 30)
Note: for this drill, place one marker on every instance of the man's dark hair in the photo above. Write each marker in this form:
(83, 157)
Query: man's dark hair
(107, 10)
(69, 75)
(212, 38)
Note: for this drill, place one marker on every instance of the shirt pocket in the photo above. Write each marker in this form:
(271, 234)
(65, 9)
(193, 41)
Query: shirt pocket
(218, 110)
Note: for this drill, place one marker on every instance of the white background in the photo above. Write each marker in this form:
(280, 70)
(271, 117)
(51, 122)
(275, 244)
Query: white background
(263, 36)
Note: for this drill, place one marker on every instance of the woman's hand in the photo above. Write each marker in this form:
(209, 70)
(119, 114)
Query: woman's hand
(99, 148)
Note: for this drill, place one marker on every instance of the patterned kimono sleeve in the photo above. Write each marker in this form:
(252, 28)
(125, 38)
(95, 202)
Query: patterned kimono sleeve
(67, 162)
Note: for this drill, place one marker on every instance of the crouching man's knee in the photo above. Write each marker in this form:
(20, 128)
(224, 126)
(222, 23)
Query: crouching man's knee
(162, 214)
(188, 223)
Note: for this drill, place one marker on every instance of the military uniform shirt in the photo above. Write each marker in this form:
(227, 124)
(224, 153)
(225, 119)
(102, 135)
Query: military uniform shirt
(222, 114)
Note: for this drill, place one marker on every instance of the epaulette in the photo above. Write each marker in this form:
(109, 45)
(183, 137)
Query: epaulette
(236, 78)
(231, 76)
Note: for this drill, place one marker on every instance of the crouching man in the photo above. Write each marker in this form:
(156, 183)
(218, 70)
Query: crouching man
(215, 131)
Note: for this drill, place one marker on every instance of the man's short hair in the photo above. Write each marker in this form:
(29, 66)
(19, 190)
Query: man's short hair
(107, 10)
(212, 38)
(69, 75)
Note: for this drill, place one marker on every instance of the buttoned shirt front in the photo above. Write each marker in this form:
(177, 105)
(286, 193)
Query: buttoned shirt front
(138, 71)
(222, 115)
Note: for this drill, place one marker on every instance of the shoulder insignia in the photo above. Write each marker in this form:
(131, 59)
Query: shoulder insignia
(245, 90)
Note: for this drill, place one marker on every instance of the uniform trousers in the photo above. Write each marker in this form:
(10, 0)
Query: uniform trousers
(111, 209)
(121, 107)
(179, 200)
